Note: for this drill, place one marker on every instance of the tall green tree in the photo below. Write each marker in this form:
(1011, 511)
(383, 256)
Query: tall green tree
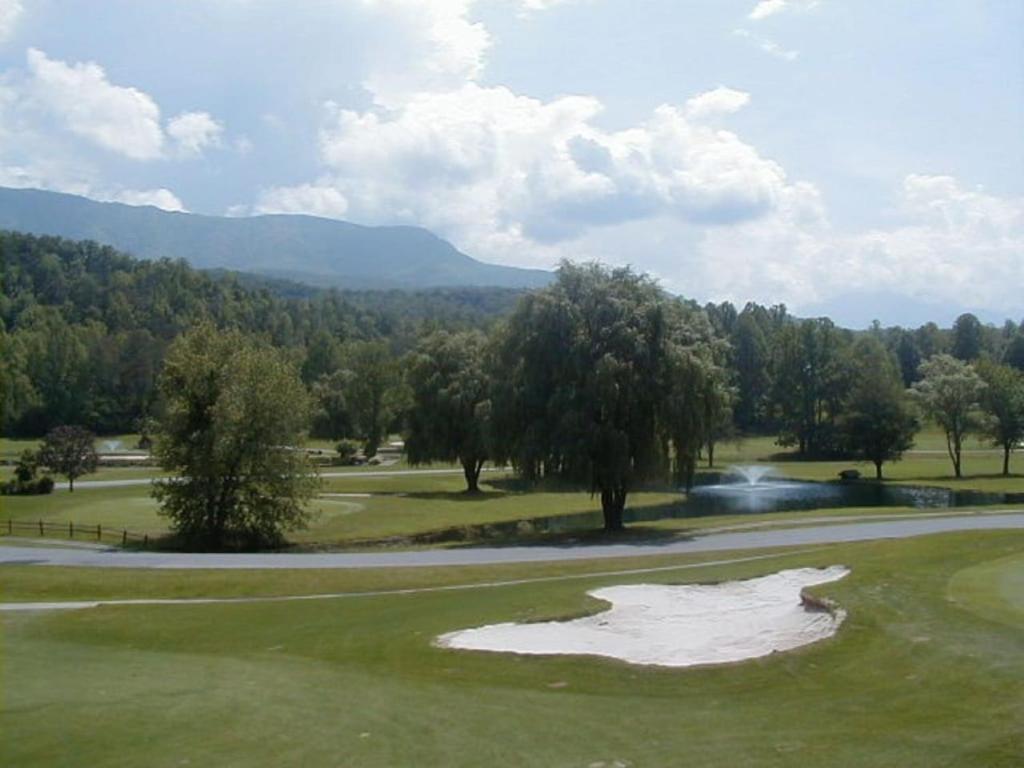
(235, 411)
(448, 419)
(374, 374)
(332, 416)
(949, 392)
(70, 451)
(810, 381)
(1013, 355)
(877, 422)
(752, 362)
(1003, 403)
(583, 374)
(968, 337)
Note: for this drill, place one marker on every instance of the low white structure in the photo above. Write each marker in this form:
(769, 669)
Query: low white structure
(678, 626)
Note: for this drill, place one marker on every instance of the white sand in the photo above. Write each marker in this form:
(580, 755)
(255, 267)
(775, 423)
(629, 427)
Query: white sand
(677, 626)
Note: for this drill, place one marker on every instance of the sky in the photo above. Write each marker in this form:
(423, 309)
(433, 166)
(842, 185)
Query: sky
(857, 158)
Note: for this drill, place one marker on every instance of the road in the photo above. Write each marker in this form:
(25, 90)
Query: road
(714, 542)
(127, 483)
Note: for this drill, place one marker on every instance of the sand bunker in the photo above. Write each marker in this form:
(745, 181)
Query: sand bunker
(678, 626)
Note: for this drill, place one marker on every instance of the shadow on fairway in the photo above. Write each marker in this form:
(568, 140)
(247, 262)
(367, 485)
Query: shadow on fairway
(458, 496)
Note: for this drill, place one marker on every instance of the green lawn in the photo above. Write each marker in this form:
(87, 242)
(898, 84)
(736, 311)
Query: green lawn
(926, 464)
(403, 509)
(925, 672)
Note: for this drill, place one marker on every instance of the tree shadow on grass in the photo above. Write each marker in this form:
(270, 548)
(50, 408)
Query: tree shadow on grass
(457, 496)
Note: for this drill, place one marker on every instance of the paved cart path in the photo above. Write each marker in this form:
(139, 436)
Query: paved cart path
(356, 473)
(713, 542)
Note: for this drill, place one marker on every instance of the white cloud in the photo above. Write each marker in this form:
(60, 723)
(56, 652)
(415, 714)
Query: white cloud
(720, 101)
(431, 45)
(766, 8)
(10, 12)
(43, 176)
(768, 46)
(119, 119)
(159, 198)
(311, 199)
(958, 246)
(506, 175)
(195, 131)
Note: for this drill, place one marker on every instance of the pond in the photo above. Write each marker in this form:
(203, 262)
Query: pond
(744, 490)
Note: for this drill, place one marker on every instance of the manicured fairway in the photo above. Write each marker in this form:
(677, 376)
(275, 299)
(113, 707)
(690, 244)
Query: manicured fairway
(914, 678)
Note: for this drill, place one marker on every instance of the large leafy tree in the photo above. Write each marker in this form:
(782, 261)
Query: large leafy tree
(1003, 404)
(235, 411)
(449, 414)
(69, 451)
(585, 369)
(877, 423)
(968, 337)
(810, 381)
(949, 392)
(373, 377)
(752, 362)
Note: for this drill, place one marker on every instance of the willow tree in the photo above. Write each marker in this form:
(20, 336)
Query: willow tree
(449, 413)
(235, 411)
(584, 371)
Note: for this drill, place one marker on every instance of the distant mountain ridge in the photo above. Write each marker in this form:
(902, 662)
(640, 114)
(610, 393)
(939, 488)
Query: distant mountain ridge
(308, 249)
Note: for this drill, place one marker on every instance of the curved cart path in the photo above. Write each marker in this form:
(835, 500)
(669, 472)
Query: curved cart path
(713, 542)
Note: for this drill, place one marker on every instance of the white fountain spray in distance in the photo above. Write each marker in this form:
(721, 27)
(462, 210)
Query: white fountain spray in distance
(752, 474)
(111, 446)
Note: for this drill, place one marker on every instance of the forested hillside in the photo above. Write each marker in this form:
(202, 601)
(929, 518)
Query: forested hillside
(85, 331)
(84, 327)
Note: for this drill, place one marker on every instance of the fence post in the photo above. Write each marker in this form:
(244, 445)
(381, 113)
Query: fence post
(10, 526)
(145, 541)
(41, 528)
(71, 530)
(124, 538)
(99, 532)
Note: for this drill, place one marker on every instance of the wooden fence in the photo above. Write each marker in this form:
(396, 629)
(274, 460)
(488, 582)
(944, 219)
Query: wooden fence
(44, 529)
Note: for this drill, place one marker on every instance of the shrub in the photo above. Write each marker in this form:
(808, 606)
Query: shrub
(37, 487)
(347, 452)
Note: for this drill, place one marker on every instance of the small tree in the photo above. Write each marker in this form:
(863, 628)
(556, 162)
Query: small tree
(1003, 403)
(234, 417)
(69, 451)
(449, 414)
(877, 421)
(949, 391)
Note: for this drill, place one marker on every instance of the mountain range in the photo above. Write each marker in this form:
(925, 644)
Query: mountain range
(308, 249)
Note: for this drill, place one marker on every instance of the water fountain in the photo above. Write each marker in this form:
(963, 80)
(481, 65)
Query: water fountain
(752, 474)
(753, 488)
(111, 446)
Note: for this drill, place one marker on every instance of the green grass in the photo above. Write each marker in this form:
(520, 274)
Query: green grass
(993, 590)
(399, 509)
(912, 679)
(926, 464)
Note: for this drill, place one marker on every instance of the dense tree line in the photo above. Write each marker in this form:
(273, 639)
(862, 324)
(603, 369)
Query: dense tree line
(602, 369)
(84, 329)
(792, 376)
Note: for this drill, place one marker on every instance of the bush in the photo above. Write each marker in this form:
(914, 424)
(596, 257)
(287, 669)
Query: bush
(38, 487)
(347, 452)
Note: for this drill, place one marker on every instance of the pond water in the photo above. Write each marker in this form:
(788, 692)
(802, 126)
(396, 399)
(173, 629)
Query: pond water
(736, 492)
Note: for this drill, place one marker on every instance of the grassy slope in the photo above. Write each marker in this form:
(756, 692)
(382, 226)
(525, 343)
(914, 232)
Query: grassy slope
(913, 679)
